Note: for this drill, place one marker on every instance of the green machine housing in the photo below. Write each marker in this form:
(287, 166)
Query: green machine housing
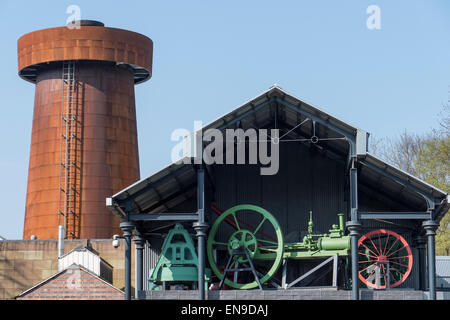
(178, 262)
(320, 245)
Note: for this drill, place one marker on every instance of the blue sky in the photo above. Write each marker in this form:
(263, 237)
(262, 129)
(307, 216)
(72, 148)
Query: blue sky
(212, 56)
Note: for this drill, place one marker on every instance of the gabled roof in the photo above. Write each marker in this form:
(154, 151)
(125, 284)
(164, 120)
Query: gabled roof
(174, 183)
(82, 248)
(79, 248)
(56, 275)
(272, 94)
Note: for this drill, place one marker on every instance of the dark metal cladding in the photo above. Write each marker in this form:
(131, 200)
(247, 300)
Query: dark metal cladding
(92, 23)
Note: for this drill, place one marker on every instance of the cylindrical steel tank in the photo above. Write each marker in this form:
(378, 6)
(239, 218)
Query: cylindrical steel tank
(100, 146)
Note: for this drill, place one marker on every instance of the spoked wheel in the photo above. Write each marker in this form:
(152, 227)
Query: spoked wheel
(254, 229)
(380, 250)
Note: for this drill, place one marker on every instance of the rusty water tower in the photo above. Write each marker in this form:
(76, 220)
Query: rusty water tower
(84, 138)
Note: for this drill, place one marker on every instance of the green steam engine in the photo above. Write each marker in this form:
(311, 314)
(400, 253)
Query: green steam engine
(247, 239)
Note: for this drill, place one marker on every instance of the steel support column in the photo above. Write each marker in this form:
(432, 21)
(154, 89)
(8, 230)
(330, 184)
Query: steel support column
(139, 280)
(200, 227)
(353, 178)
(354, 226)
(419, 243)
(127, 228)
(430, 227)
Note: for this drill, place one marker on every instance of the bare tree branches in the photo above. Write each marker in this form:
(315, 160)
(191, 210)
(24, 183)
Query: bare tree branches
(401, 152)
(426, 157)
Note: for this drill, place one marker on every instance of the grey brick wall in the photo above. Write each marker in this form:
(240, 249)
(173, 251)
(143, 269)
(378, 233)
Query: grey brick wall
(295, 294)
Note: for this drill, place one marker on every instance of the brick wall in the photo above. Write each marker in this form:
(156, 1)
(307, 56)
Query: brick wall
(25, 263)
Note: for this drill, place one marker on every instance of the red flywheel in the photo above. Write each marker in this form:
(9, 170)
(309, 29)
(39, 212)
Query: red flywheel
(384, 257)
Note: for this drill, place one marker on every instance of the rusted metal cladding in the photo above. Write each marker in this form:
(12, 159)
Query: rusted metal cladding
(107, 157)
(38, 48)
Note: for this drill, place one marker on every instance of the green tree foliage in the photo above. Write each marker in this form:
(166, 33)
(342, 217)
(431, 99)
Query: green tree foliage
(432, 162)
(433, 165)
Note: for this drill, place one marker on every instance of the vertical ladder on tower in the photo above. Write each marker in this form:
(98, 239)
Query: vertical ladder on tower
(70, 152)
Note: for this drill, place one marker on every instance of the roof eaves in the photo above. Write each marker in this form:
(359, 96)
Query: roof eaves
(80, 248)
(113, 202)
(440, 208)
(376, 161)
(40, 283)
(94, 275)
(148, 179)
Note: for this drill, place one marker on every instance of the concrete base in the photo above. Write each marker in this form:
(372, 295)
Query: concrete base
(440, 295)
(292, 294)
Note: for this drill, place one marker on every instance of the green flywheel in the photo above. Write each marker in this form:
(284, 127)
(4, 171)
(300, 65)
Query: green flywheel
(263, 241)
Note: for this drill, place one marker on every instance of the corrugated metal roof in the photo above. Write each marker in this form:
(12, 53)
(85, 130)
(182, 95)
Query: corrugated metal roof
(276, 91)
(443, 266)
(176, 181)
(79, 248)
(390, 186)
(85, 249)
(149, 192)
(424, 186)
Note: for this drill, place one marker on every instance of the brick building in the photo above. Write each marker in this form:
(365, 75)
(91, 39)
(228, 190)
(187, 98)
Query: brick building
(26, 263)
(73, 283)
